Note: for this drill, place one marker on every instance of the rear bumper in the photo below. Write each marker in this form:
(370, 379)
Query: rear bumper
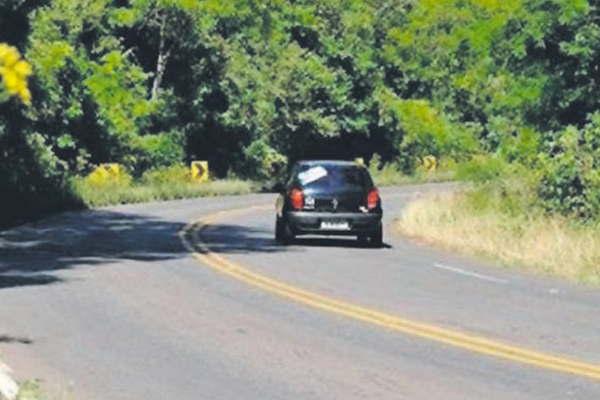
(307, 223)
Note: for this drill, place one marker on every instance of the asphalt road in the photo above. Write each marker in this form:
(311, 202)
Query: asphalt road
(109, 304)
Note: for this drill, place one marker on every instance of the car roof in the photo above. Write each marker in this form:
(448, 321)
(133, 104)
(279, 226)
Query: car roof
(328, 162)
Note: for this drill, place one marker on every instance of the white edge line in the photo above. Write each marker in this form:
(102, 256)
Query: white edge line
(8, 387)
(470, 274)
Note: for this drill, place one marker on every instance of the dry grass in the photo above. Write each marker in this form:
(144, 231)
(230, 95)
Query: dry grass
(553, 245)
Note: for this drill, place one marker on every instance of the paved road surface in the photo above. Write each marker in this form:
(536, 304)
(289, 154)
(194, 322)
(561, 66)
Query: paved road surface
(109, 304)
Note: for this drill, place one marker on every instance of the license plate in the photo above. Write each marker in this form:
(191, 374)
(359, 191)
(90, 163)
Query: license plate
(335, 225)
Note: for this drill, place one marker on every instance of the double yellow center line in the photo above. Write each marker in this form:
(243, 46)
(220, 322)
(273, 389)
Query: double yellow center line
(192, 240)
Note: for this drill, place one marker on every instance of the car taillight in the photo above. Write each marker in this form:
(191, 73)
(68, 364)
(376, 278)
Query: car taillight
(297, 199)
(372, 199)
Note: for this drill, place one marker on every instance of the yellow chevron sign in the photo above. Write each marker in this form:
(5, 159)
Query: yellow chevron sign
(199, 171)
(429, 163)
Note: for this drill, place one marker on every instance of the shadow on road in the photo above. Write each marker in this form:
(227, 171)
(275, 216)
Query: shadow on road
(13, 339)
(228, 238)
(7, 281)
(336, 242)
(32, 254)
(232, 239)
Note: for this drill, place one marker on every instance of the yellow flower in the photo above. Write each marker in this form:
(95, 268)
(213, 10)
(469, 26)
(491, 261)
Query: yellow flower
(14, 72)
(4, 49)
(25, 95)
(11, 81)
(22, 68)
(10, 57)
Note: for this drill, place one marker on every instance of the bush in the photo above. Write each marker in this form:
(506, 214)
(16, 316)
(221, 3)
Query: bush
(169, 175)
(482, 169)
(32, 178)
(513, 194)
(159, 150)
(264, 162)
(570, 182)
(419, 128)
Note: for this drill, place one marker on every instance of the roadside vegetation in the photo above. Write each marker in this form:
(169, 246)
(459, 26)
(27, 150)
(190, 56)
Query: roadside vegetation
(30, 390)
(500, 217)
(169, 183)
(391, 174)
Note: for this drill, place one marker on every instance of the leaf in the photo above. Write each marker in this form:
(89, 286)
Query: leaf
(65, 142)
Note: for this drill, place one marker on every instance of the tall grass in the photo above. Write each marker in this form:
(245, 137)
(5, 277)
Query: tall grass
(161, 184)
(502, 223)
(391, 175)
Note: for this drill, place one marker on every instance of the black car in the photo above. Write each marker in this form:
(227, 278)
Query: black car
(324, 197)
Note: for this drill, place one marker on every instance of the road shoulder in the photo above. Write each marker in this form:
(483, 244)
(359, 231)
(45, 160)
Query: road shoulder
(8, 387)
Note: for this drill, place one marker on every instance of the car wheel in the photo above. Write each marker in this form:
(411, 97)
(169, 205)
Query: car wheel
(377, 238)
(278, 237)
(283, 233)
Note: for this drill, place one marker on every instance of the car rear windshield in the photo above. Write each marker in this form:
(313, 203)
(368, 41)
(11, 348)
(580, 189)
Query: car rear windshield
(331, 176)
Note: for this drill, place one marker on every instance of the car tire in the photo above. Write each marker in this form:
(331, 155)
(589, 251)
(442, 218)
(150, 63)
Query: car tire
(283, 233)
(278, 231)
(377, 238)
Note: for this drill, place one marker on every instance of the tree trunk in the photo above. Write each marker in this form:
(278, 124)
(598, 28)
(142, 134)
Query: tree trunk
(163, 58)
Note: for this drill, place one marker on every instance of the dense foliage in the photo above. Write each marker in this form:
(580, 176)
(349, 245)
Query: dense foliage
(252, 85)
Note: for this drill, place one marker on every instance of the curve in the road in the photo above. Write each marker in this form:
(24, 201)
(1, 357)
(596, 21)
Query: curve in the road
(191, 238)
